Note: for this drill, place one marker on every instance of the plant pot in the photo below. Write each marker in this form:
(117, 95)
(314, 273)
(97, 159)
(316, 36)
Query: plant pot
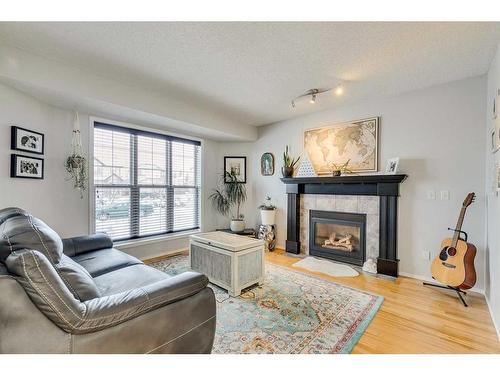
(287, 171)
(237, 226)
(268, 217)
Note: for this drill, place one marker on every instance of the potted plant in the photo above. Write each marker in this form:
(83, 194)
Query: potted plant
(340, 169)
(76, 166)
(231, 195)
(288, 163)
(267, 212)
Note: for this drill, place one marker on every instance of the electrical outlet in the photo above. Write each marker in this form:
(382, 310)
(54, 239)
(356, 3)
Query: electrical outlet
(431, 194)
(426, 255)
(445, 195)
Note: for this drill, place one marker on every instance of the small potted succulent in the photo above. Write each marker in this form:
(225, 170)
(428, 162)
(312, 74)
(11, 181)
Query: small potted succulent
(288, 163)
(232, 194)
(340, 169)
(267, 212)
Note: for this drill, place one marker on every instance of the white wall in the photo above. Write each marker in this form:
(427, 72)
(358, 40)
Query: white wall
(53, 199)
(492, 282)
(439, 135)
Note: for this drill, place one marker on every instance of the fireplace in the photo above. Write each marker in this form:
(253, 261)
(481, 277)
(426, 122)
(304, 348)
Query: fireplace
(338, 236)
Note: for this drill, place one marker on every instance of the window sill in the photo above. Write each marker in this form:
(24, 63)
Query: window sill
(145, 241)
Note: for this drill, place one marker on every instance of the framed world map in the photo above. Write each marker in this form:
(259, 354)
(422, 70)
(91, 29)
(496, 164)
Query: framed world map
(356, 141)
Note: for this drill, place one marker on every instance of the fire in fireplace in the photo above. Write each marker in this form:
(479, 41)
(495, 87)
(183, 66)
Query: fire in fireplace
(338, 236)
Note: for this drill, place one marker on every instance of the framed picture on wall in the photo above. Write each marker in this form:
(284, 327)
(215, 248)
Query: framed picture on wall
(267, 164)
(26, 167)
(26, 140)
(495, 139)
(236, 165)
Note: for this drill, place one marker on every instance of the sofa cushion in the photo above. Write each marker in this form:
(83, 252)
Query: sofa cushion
(24, 231)
(106, 260)
(123, 279)
(77, 279)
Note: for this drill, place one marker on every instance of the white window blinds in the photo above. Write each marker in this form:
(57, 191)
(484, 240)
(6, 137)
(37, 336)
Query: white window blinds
(145, 184)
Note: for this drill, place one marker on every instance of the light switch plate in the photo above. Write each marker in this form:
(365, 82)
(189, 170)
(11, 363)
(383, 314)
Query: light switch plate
(445, 195)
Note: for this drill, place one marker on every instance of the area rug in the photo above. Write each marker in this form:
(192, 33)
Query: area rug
(326, 267)
(291, 313)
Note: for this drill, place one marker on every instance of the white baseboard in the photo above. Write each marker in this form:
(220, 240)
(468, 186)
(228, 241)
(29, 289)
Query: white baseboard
(431, 280)
(497, 327)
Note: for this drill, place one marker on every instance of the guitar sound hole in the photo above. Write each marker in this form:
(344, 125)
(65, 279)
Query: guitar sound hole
(452, 251)
(443, 254)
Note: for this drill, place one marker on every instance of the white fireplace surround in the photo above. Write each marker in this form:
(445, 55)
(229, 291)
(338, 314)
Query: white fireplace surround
(368, 205)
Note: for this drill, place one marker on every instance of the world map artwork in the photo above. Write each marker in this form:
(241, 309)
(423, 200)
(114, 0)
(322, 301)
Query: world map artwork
(356, 141)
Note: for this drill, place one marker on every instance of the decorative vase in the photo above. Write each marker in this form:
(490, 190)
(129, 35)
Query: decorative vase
(237, 226)
(268, 217)
(287, 171)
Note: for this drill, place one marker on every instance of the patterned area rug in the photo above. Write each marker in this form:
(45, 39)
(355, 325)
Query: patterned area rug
(291, 313)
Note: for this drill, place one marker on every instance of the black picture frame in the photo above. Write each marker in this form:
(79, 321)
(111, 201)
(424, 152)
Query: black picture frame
(14, 144)
(242, 160)
(15, 159)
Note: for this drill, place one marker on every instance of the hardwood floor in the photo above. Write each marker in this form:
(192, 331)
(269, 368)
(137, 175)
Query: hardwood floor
(415, 318)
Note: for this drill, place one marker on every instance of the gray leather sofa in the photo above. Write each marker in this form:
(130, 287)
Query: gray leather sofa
(81, 295)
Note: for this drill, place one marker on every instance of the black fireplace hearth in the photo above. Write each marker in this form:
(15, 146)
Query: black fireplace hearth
(386, 187)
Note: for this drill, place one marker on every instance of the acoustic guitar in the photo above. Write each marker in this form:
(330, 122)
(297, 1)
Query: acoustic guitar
(454, 266)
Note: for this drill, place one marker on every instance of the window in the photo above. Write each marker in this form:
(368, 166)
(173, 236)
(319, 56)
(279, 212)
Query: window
(145, 184)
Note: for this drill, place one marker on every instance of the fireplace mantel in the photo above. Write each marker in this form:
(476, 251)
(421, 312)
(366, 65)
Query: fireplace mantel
(386, 187)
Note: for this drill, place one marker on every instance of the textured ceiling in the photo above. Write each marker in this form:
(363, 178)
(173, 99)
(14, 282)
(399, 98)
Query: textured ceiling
(251, 71)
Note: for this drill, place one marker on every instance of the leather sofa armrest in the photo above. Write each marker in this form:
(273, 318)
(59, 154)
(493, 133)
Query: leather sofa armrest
(49, 293)
(83, 244)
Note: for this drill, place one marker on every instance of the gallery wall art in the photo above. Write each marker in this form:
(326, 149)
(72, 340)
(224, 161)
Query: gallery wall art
(353, 141)
(27, 140)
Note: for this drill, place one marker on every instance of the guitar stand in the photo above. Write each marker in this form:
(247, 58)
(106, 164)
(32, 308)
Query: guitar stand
(458, 291)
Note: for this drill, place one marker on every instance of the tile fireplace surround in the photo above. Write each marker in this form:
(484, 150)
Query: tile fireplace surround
(373, 195)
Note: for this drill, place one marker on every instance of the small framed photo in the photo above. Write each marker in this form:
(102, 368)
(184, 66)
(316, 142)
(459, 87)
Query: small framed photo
(267, 164)
(26, 167)
(392, 166)
(236, 165)
(26, 140)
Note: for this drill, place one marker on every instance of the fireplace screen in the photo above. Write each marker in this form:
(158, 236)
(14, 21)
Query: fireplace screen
(337, 235)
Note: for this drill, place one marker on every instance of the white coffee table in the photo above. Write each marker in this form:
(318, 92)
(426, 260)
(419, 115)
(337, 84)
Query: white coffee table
(230, 261)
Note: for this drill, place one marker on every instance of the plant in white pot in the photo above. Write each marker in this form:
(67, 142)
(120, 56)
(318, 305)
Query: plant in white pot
(228, 198)
(267, 212)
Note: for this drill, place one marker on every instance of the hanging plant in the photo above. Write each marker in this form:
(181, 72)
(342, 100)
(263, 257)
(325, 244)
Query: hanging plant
(76, 166)
(76, 163)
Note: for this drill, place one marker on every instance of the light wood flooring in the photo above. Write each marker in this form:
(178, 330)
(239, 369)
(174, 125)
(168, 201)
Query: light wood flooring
(415, 318)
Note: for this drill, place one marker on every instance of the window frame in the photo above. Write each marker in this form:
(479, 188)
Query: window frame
(135, 188)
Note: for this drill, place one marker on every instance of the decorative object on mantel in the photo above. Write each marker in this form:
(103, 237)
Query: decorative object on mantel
(267, 164)
(370, 265)
(231, 195)
(392, 166)
(288, 163)
(306, 169)
(26, 140)
(235, 166)
(340, 169)
(354, 140)
(76, 163)
(26, 167)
